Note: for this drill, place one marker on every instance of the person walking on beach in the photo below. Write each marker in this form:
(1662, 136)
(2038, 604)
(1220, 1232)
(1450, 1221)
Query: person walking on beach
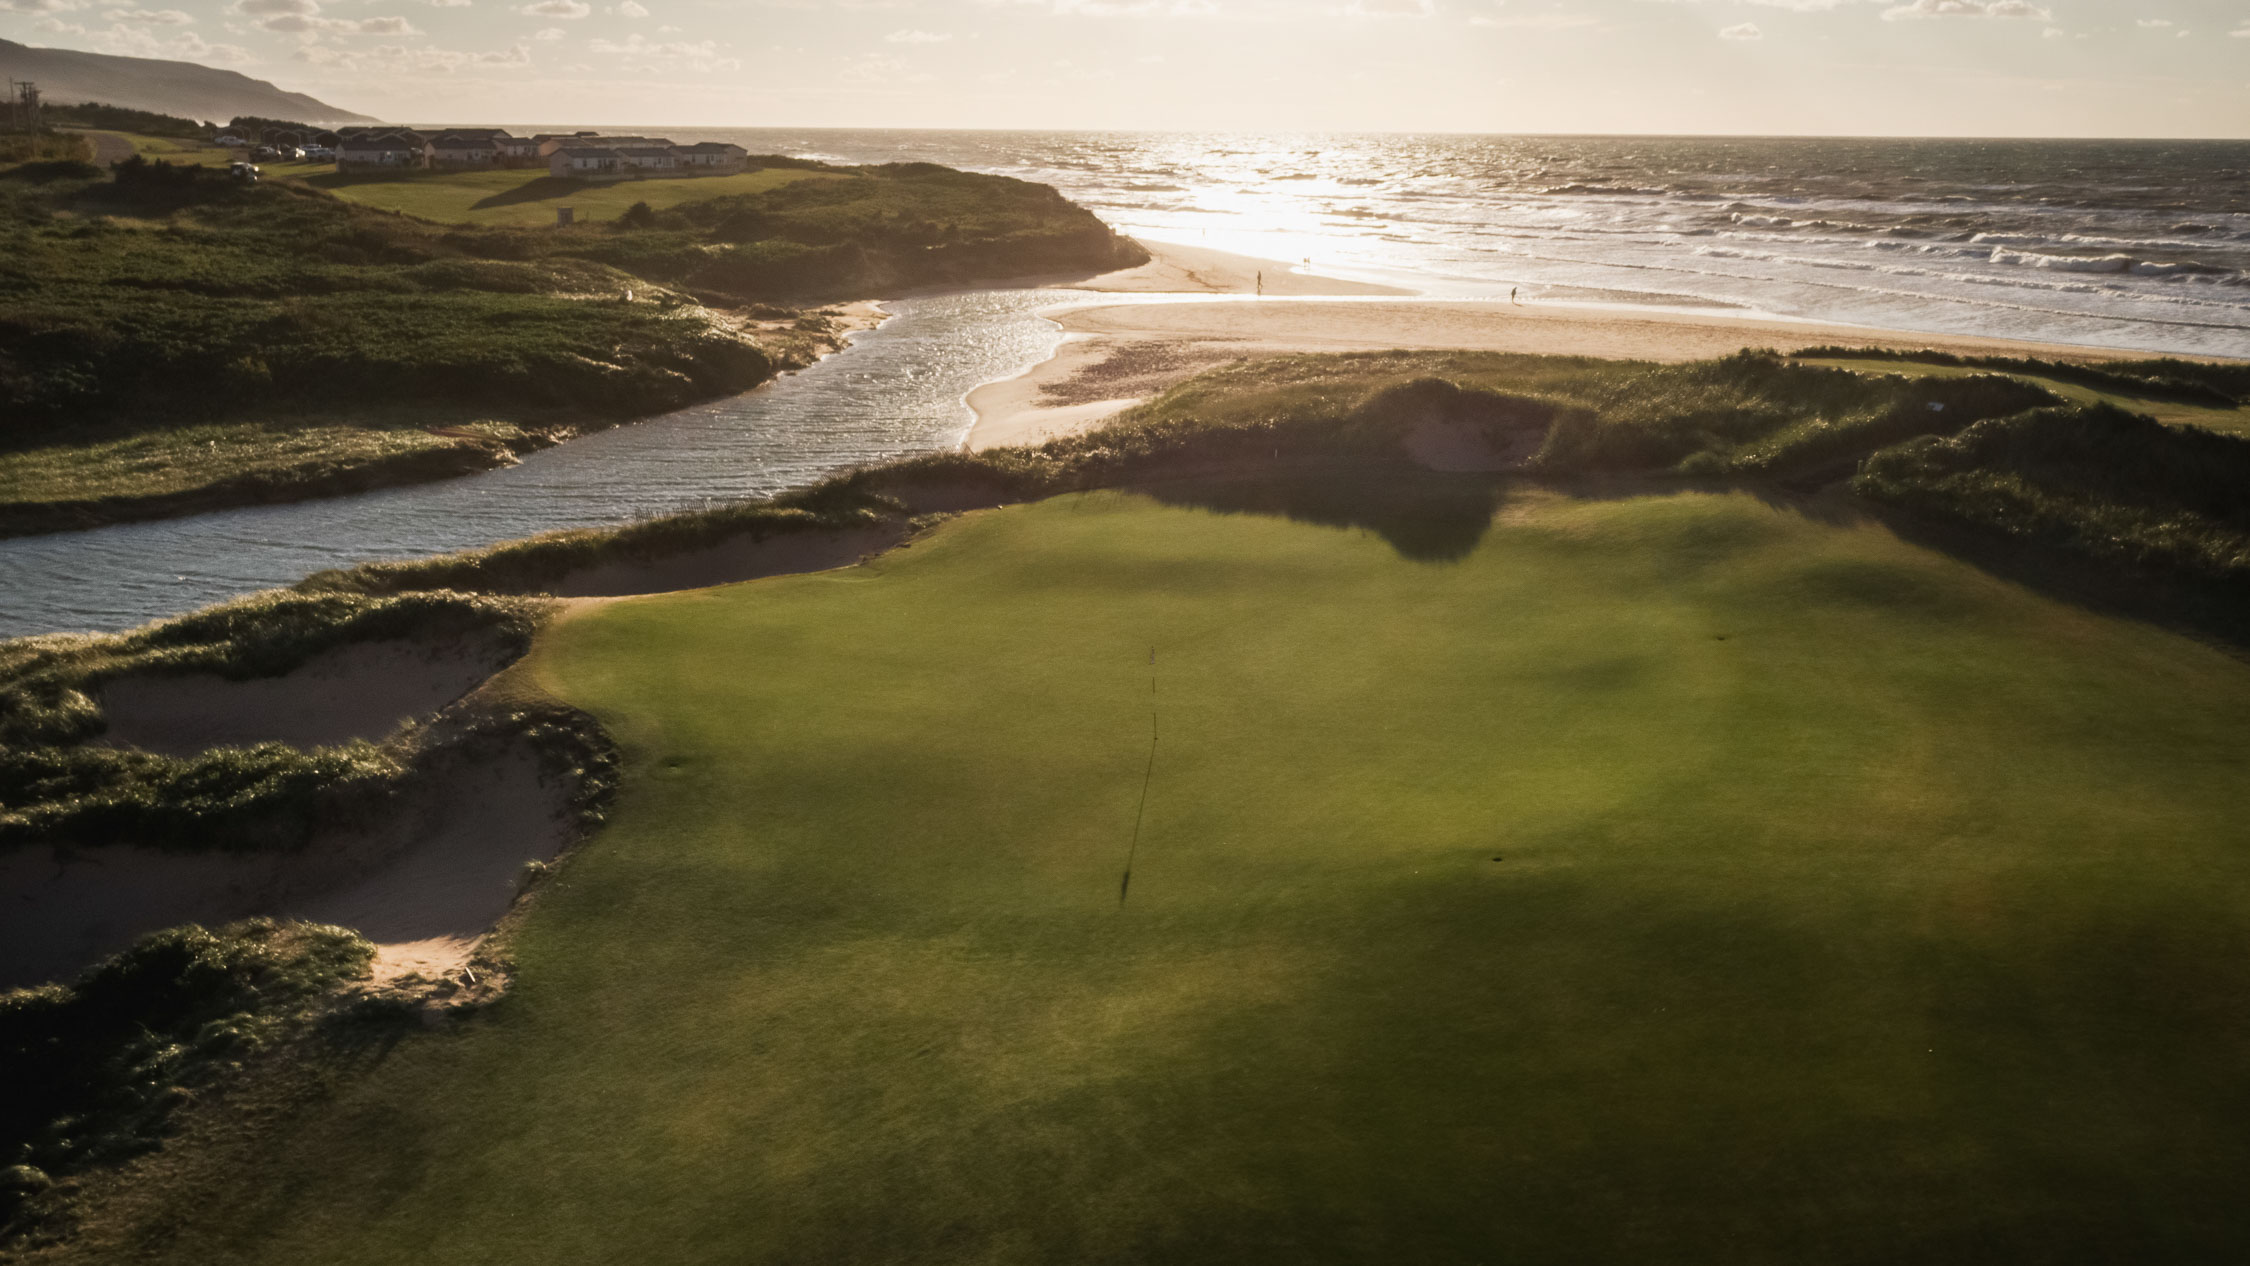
(1512, 294)
(1261, 282)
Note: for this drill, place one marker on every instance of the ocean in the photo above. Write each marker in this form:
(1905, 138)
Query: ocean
(2136, 244)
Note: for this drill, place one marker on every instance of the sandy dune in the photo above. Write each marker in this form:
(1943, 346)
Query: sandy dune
(1092, 377)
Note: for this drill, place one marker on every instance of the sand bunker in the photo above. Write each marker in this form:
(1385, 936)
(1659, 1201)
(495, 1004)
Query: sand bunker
(1445, 428)
(425, 887)
(742, 558)
(362, 691)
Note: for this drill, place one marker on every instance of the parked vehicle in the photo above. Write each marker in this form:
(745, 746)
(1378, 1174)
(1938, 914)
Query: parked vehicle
(229, 139)
(247, 173)
(319, 154)
(262, 154)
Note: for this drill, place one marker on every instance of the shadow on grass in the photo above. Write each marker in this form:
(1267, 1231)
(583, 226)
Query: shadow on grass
(1441, 518)
(2209, 611)
(1429, 518)
(542, 189)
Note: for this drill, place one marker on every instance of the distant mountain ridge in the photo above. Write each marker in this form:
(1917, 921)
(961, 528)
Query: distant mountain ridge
(68, 76)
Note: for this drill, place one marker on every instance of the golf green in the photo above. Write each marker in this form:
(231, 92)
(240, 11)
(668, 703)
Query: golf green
(1656, 878)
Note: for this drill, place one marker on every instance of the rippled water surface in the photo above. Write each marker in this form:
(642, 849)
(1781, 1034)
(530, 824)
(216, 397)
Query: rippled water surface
(2141, 244)
(898, 389)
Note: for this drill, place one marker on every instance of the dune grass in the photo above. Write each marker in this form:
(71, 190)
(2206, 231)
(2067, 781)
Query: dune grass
(525, 197)
(168, 297)
(221, 463)
(96, 1068)
(1667, 878)
(2211, 417)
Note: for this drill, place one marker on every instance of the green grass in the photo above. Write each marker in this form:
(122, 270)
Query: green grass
(525, 197)
(154, 464)
(2170, 412)
(96, 1068)
(167, 296)
(181, 150)
(1853, 906)
(43, 147)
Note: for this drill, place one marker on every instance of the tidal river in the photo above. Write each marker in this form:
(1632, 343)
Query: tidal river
(898, 389)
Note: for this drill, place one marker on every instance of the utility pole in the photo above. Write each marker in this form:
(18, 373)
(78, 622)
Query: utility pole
(23, 106)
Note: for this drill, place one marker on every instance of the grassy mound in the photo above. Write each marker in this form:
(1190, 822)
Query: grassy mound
(171, 340)
(95, 1069)
(1639, 884)
(57, 790)
(2100, 483)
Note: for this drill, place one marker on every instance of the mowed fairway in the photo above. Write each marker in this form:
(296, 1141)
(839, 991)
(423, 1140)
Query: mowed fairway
(1668, 879)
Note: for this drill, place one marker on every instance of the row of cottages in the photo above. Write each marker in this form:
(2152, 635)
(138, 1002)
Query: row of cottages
(585, 155)
(632, 157)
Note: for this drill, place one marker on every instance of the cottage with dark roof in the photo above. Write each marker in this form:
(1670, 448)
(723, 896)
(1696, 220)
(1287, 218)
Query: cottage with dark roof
(397, 147)
(458, 150)
(585, 162)
(711, 157)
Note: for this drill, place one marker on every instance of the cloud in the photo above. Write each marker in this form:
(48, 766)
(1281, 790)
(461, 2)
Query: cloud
(548, 33)
(37, 6)
(639, 53)
(2152, 22)
(915, 37)
(398, 59)
(630, 9)
(1536, 21)
(275, 8)
(1089, 8)
(567, 10)
(136, 41)
(149, 17)
(310, 25)
(1800, 6)
(1967, 9)
(1391, 8)
(1741, 31)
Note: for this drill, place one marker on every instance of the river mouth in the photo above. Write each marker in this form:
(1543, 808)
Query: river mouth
(898, 389)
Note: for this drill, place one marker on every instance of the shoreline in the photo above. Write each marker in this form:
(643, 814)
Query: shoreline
(1115, 356)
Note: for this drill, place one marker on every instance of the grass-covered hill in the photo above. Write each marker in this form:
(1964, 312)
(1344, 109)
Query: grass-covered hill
(1252, 844)
(159, 84)
(172, 340)
(1662, 875)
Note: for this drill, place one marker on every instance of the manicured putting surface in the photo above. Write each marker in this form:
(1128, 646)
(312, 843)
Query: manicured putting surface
(1669, 878)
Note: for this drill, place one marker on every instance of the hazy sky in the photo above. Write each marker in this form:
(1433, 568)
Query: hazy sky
(1924, 67)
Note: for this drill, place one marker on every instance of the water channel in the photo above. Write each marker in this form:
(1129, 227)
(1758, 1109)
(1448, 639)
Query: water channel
(898, 389)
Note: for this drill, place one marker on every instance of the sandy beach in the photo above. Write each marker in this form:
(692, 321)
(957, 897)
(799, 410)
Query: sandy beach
(1113, 357)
